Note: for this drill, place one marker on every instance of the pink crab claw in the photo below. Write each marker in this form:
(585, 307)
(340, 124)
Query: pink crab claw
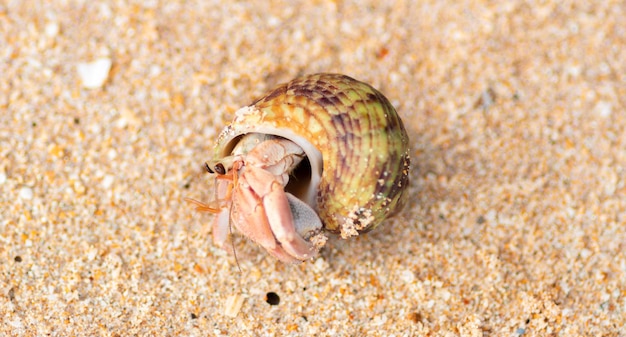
(292, 220)
(276, 220)
(291, 234)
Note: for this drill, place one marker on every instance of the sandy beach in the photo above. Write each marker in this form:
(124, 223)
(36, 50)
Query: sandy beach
(516, 221)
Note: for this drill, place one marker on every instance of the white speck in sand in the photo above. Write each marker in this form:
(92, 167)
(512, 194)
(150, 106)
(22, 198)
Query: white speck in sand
(26, 193)
(320, 264)
(3, 178)
(603, 109)
(94, 74)
(52, 29)
(111, 154)
(16, 323)
(407, 276)
(107, 182)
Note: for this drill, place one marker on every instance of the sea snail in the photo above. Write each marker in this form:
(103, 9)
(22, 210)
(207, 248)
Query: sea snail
(322, 153)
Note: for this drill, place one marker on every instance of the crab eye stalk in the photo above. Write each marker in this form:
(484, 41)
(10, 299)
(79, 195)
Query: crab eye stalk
(220, 169)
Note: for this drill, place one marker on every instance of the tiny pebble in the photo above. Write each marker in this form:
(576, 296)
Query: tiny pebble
(604, 109)
(52, 29)
(26, 193)
(320, 265)
(94, 74)
(407, 276)
(3, 177)
(111, 154)
(107, 182)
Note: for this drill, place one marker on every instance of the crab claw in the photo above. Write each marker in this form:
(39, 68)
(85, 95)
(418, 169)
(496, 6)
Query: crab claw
(291, 227)
(276, 220)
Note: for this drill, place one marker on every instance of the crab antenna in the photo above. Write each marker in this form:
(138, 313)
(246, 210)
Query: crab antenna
(232, 242)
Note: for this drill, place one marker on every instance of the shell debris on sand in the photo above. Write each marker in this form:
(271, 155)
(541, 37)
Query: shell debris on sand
(94, 74)
(26, 193)
(233, 305)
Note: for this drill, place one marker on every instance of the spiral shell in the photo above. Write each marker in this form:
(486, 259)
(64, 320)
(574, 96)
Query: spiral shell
(355, 142)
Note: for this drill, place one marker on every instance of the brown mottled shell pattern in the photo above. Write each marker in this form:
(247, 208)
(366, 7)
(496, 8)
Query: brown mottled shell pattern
(364, 145)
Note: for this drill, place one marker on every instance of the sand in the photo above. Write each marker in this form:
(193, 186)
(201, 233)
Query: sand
(516, 223)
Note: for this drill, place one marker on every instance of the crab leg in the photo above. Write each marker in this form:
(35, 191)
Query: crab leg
(249, 215)
(278, 223)
(247, 208)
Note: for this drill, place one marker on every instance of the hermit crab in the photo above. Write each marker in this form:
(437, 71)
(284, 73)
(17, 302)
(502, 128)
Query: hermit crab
(322, 153)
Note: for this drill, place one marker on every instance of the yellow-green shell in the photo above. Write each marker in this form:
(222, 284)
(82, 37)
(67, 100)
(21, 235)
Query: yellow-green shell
(363, 143)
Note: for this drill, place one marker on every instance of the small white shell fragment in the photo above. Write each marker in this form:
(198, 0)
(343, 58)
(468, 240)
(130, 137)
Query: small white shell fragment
(233, 305)
(26, 193)
(604, 109)
(94, 74)
(320, 265)
(52, 29)
(3, 177)
(107, 182)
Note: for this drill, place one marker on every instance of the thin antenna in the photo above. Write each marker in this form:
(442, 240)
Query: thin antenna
(232, 242)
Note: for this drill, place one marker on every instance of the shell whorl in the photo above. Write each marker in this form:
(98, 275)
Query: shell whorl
(362, 141)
